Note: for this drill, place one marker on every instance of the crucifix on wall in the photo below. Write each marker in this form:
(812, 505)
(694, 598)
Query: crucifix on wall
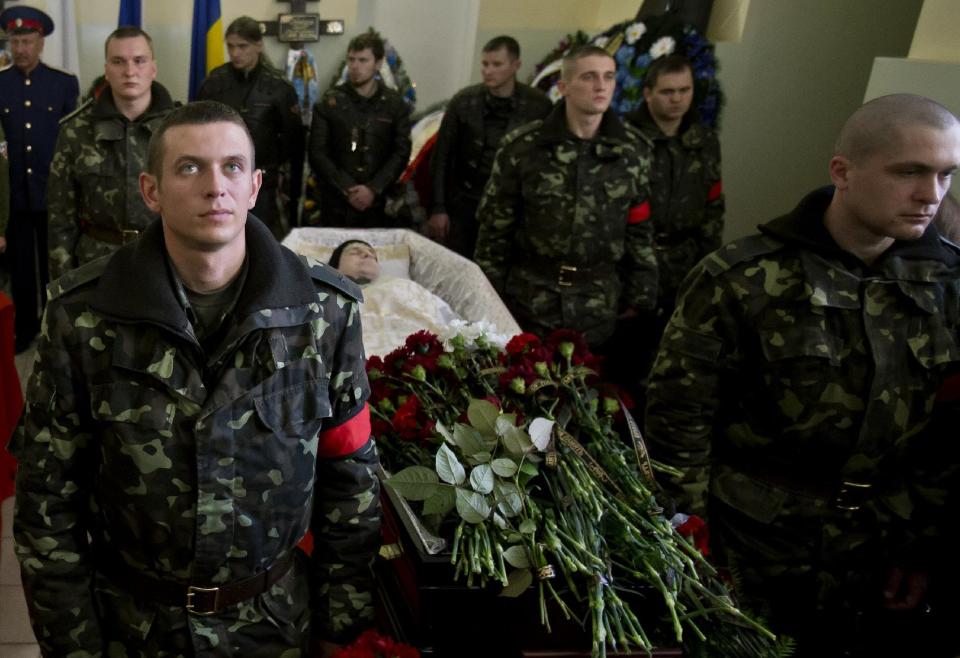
(299, 26)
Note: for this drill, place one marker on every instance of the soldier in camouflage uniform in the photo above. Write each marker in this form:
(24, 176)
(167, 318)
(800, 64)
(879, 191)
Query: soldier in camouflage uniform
(563, 236)
(197, 405)
(796, 378)
(93, 196)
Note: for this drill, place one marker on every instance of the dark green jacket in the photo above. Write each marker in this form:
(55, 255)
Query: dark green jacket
(686, 197)
(94, 177)
(556, 202)
(790, 367)
(192, 467)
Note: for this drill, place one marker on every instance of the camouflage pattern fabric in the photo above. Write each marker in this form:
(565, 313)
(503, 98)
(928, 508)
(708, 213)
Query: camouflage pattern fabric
(195, 468)
(686, 198)
(787, 369)
(357, 141)
(94, 178)
(554, 200)
(4, 184)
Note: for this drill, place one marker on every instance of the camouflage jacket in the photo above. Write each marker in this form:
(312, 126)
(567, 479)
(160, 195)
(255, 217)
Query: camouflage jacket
(94, 178)
(193, 467)
(461, 158)
(268, 104)
(356, 140)
(4, 184)
(562, 232)
(686, 197)
(789, 367)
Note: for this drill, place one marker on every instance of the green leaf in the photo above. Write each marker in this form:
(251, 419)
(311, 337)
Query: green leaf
(467, 439)
(541, 431)
(499, 521)
(481, 479)
(415, 482)
(517, 583)
(504, 467)
(509, 499)
(483, 416)
(516, 556)
(449, 467)
(504, 423)
(444, 432)
(472, 506)
(529, 469)
(481, 457)
(440, 502)
(528, 526)
(516, 441)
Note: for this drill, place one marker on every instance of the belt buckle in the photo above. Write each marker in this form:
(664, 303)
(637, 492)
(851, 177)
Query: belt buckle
(565, 271)
(192, 591)
(128, 235)
(851, 495)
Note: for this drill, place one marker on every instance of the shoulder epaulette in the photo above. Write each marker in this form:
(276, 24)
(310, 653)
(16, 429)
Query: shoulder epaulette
(75, 278)
(61, 71)
(80, 108)
(637, 134)
(320, 271)
(740, 251)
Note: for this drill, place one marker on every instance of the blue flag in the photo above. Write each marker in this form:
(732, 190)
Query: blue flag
(131, 13)
(206, 43)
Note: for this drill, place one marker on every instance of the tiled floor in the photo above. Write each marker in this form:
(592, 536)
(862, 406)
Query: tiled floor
(16, 637)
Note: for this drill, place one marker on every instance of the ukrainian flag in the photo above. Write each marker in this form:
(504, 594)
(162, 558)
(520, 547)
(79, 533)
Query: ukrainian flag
(206, 43)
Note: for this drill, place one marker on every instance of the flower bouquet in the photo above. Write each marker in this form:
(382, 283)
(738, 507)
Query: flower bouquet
(513, 451)
(371, 644)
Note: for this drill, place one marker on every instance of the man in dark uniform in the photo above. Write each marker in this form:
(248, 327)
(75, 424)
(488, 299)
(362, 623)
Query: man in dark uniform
(359, 141)
(475, 121)
(33, 99)
(93, 195)
(269, 106)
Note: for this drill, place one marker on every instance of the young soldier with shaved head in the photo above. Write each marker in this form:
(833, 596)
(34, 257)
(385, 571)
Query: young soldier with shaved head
(198, 403)
(795, 381)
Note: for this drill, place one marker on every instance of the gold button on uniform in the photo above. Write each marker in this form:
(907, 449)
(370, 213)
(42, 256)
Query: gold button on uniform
(29, 170)
(28, 83)
(28, 126)
(29, 148)
(27, 103)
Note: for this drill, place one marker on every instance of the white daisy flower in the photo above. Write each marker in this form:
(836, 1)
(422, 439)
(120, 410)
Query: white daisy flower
(635, 31)
(662, 46)
(601, 42)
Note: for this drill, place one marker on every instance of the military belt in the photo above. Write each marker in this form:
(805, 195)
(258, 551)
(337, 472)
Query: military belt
(847, 496)
(567, 274)
(195, 599)
(108, 234)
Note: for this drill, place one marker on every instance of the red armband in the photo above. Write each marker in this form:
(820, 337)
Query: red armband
(345, 438)
(715, 191)
(639, 213)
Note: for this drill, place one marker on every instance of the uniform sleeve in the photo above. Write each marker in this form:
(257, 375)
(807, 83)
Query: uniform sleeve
(4, 185)
(320, 161)
(53, 447)
(640, 271)
(346, 517)
(441, 158)
(63, 229)
(498, 217)
(292, 139)
(712, 228)
(399, 153)
(685, 385)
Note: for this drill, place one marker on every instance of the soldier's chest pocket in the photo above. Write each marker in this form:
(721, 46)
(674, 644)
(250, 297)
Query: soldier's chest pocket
(295, 411)
(621, 190)
(95, 170)
(133, 412)
(800, 358)
(934, 347)
(256, 112)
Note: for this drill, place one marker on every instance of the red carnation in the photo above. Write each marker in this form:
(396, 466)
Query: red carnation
(519, 343)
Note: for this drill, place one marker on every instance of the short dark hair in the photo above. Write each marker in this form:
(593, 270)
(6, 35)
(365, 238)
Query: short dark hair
(366, 40)
(192, 114)
(128, 32)
(334, 261)
(506, 42)
(246, 28)
(578, 53)
(665, 66)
